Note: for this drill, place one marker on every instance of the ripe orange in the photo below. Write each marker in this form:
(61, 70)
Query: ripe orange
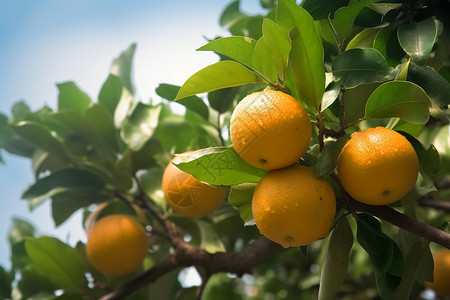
(378, 166)
(270, 130)
(441, 283)
(293, 207)
(117, 245)
(188, 195)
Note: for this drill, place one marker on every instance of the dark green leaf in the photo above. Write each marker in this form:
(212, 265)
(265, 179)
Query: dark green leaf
(110, 93)
(343, 19)
(223, 99)
(38, 136)
(241, 197)
(355, 100)
(400, 99)
(358, 66)
(20, 110)
(368, 18)
(19, 230)
(194, 103)
(239, 48)
(220, 75)
(58, 261)
(140, 125)
(102, 123)
(428, 158)
(417, 39)
(336, 260)
(306, 56)
(328, 158)
(122, 67)
(5, 284)
(33, 283)
(386, 42)
(437, 88)
(230, 13)
(219, 166)
(386, 257)
(71, 97)
(65, 180)
(320, 9)
(444, 71)
(64, 205)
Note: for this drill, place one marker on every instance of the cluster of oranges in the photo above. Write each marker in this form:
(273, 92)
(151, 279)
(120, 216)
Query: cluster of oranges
(291, 206)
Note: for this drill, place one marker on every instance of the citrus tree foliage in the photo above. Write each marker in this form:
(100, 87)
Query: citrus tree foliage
(353, 64)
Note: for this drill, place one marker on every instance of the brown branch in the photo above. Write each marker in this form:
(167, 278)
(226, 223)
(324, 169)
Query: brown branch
(435, 203)
(402, 221)
(186, 255)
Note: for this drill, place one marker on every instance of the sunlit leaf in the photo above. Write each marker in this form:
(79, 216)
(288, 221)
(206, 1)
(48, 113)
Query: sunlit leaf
(358, 66)
(336, 260)
(241, 197)
(401, 99)
(417, 39)
(306, 56)
(220, 75)
(363, 39)
(276, 45)
(239, 48)
(194, 103)
(110, 93)
(140, 125)
(58, 261)
(71, 97)
(122, 67)
(219, 166)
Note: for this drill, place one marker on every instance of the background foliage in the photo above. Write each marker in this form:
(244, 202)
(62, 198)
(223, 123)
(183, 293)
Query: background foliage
(353, 64)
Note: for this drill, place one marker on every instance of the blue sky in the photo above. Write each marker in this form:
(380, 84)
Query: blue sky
(46, 42)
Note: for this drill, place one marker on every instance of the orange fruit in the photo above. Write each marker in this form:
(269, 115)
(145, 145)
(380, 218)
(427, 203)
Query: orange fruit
(441, 282)
(293, 207)
(187, 195)
(378, 166)
(270, 129)
(117, 245)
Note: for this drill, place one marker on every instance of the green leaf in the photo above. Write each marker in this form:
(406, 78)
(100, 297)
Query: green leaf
(363, 39)
(19, 231)
(219, 166)
(239, 48)
(428, 158)
(58, 261)
(71, 97)
(436, 86)
(328, 158)
(417, 39)
(64, 180)
(122, 67)
(209, 241)
(223, 99)
(400, 99)
(111, 93)
(343, 19)
(102, 123)
(151, 181)
(386, 257)
(20, 110)
(39, 136)
(33, 285)
(230, 13)
(336, 260)
(194, 103)
(320, 9)
(306, 62)
(358, 66)
(5, 284)
(276, 45)
(240, 196)
(220, 75)
(355, 100)
(139, 127)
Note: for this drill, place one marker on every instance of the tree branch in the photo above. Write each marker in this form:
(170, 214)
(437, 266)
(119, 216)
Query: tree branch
(402, 221)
